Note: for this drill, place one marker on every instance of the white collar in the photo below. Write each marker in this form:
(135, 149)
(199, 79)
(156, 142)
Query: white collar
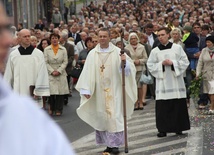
(104, 49)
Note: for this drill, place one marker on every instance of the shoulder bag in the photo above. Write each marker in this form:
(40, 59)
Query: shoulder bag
(75, 72)
(146, 77)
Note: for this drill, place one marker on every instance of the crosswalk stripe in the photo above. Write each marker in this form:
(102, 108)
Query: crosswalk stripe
(81, 142)
(141, 126)
(138, 149)
(142, 138)
(90, 144)
(143, 114)
(131, 131)
(91, 138)
(156, 146)
(179, 151)
(140, 119)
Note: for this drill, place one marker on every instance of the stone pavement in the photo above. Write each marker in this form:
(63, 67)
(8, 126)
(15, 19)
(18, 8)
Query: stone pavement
(143, 140)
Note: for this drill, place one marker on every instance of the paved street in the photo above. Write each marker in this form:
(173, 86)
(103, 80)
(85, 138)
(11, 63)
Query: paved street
(73, 127)
(142, 133)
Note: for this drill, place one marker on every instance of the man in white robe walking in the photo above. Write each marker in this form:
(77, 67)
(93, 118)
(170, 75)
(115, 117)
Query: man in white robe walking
(25, 129)
(25, 67)
(167, 63)
(100, 86)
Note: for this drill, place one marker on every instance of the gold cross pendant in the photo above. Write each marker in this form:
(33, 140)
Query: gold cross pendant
(102, 68)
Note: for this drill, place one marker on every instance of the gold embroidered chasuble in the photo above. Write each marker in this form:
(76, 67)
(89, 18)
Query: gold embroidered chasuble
(102, 77)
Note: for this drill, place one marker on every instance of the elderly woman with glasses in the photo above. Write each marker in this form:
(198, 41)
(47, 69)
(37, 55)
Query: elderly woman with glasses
(139, 57)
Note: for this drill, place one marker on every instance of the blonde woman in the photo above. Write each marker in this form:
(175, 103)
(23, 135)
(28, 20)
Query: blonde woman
(139, 57)
(176, 37)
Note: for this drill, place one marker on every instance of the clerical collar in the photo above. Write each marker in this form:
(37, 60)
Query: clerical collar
(164, 47)
(26, 51)
(104, 49)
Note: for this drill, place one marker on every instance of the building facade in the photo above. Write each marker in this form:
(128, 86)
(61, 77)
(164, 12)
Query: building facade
(28, 12)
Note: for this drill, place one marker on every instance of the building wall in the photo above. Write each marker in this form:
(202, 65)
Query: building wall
(28, 12)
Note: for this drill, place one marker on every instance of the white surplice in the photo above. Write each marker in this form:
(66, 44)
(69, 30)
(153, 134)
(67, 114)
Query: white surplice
(26, 129)
(169, 82)
(25, 70)
(104, 110)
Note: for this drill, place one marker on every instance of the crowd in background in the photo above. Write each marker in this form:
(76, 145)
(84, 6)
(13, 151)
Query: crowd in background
(190, 22)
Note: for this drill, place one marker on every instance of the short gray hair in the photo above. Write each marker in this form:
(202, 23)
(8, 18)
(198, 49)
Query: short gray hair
(64, 35)
(176, 30)
(133, 34)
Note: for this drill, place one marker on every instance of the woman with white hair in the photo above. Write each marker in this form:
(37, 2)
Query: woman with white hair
(176, 37)
(139, 57)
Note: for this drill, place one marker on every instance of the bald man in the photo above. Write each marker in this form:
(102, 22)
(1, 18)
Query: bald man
(81, 44)
(25, 129)
(25, 67)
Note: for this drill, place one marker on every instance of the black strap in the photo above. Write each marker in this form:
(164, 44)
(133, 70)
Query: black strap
(82, 45)
(147, 71)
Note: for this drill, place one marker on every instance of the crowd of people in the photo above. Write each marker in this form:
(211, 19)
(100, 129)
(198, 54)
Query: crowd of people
(173, 39)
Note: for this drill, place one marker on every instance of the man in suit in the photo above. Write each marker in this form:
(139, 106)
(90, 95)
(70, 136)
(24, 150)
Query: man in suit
(70, 52)
(151, 35)
(73, 33)
(39, 25)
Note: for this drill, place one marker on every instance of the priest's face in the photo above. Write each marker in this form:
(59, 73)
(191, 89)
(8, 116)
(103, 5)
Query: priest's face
(24, 37)
(104, 38)
(163, 37)
(5, 36)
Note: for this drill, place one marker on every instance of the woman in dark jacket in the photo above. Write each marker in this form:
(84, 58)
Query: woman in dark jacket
(83, 54)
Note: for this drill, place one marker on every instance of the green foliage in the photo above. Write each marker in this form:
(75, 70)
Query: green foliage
(195, 86)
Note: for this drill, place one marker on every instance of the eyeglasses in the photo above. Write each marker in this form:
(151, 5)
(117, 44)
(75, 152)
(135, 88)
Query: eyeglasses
(133, 38)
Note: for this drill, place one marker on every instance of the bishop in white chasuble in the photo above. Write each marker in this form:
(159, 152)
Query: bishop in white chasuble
(102, 79)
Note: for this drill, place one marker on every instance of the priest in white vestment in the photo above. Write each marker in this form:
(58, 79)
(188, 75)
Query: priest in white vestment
(25, 67)
(167, 63)
(25, 129)
(100, 86)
